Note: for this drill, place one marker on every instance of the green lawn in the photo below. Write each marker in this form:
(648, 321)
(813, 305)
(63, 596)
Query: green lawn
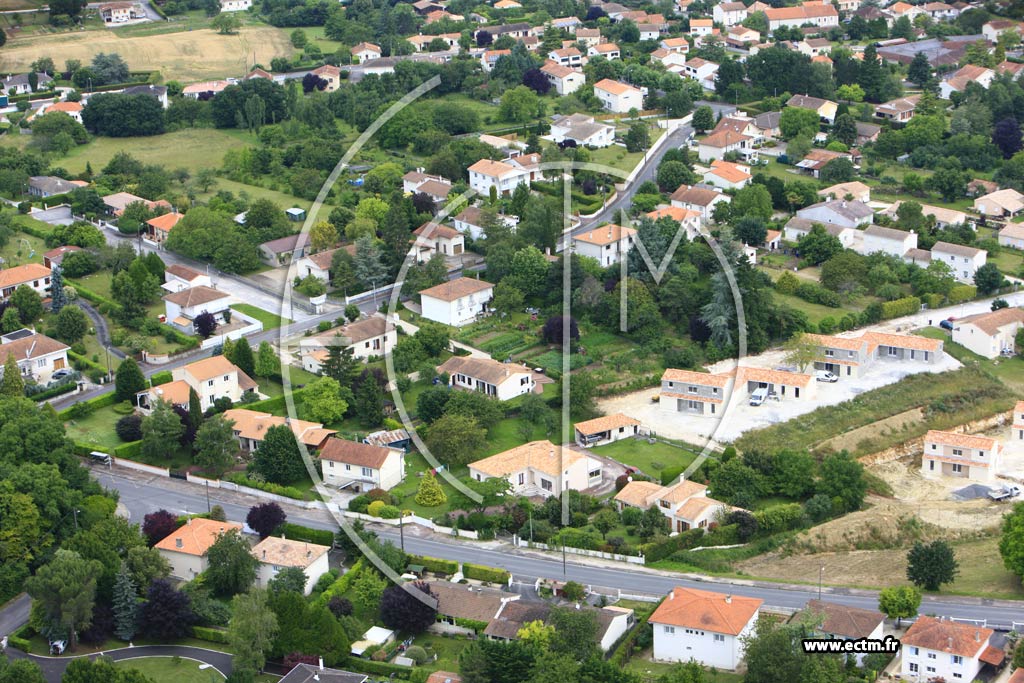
(651, 671)
(446, 649)
(618, 157)
(170, 150)
(1008, 260)
(21, 249)
(649, 458)
(506, 435)
(171, 670)
(405, 493)
(271, 321)
(282, 199)
(97, 428)
(1009, 370)
(298, 377)
(815, 312)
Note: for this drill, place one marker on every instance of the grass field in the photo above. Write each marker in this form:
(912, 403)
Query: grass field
(649, 458)
(651, 671)
(270, 320)
(405, 493)
(185, 55)
(97, 428)
(192, 149)
(282, 199)
(167, 670)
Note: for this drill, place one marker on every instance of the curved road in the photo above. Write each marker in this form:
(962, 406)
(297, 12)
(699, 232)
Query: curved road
(53, 667)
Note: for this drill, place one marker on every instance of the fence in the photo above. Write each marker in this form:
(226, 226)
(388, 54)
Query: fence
(231, 486)
(415, 519)
(140, 467)
(631, 559)
(383, 292)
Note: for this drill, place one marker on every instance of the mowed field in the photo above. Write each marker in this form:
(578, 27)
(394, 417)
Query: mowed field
(184, 55)
(192, 149)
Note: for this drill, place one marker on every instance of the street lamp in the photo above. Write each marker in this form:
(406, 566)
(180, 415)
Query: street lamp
(821, 571)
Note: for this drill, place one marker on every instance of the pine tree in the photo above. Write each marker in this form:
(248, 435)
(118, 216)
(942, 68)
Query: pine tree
(126, 607)
(195, 410)
(129, 379)
(227, 349)
(243, 357)
(57, 297)
(12, 384)
(430, 494)
(340, 363)
(370, 402)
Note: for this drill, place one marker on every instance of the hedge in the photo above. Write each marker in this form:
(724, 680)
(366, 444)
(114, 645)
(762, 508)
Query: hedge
(54, 391)
(297, 532)
(344, 582)
(33, 230)
(95, 298)
(272, 404)
(213, 635)
(961, 293)
(129, 451)
(900, 307)
(686, 540)
(78, 359)
(482, 573)
(435, 564)
(817, 294)
(92, 404)
(276, 489)
(19, 643)
(162, 377)
(84, 449)
(368, 666)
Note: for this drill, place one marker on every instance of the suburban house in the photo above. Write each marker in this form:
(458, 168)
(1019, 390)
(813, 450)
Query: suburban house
(817, 14)
(1012, 236)
(672, 61)
(159, 228)
(797, 228)
(685, 503)
(330, 75)
(849, 356)
(779, 383)
(120, 12)
(49, 186)
(814, 47)
(697, 393)
(566, 56)
(37, 355)
(588, 37)
(456, 302)
(459, 606)
(55, 256)
(185, 548)
(309, 673)
(365, 51)
(1018, 420)
(319, 264)
(563, 79)
(899, 110)
(938, 649)
(867, 132)
(607, 244)
(838, 212)
(18, 84)
(605, 430)
(157, 92)
(436, 238)
(612, 621)
(742, 37)
(687, 219)
(116, 203)
(815, 161)
(729, 13)
(842, 356)
(841, 622)
(995, 28)
(211, 378)
(275, 553)
(701, 27)
(989, 334)
(470, 220)
(969, 73)
(851, 191)
(888, 241)
(502, 381)
(183, 307)
(434, 186)
(539, 468)
(728, 175)
(951, 454)
(826, 109)
(582, 129)
(704, 626)
(250, 427)
(943, 217)
(283, 250)
(347, 463)
(618, 98)
(701, 71)
(607, 50)
(235, 5)
(204, 90)
(1001, 203)
(367, 338)
(503, 176)
(33, 275)
(178, 277)
(717, 145)
(676, 45)
(964, 261)
(699, 199)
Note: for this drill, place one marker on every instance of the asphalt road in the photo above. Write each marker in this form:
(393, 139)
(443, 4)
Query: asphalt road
(141, 497)
(53, 667)
(14, 614)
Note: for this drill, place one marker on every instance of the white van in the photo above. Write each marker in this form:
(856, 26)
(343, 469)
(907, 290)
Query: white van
(759, 396)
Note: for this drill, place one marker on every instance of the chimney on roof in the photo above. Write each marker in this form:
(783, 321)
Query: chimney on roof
(977, 636)
(672, 594)
(178, 543)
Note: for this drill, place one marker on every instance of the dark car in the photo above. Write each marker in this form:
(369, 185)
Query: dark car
(947, 325)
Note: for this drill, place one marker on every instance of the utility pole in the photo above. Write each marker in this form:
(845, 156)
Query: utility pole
(76, 518)
(821, 570)
(401, 531)
(208, 508)
(563, 561)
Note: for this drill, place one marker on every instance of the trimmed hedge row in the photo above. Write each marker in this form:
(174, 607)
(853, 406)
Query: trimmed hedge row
(272, 404)
(162, 377)
(33, 230)
(481, 573)
(435, 564)
(83, 450)
(686, 540)
(18, 643)
(297, 532)
(286, 491)
(92, 404)
(900, 307)
(54, 391)
(212, 635)
(344, 582)
(368, 666)
(129, 451)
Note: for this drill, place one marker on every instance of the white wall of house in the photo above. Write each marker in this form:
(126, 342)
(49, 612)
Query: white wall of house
(184, 565)
(387, 477)
(456, 313)
(922, 664)
(620, 104)
(679, 644)
(313, 572)
(514, 384)
(981, 342)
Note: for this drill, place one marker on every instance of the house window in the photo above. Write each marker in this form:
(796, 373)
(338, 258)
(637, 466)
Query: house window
(522, 478)
(930, 669)
(546, 485)
(914, 651)
(958, 675)
(225, 378)
(958, 451)
(931, 655)
(719, 638)
(981, 454)
(663, 503)
(367, 472)
(957, 469)
(829, 353)
(934, 446)
(692, 390)
(41, 362)
(931, 465)
(670, 629)
(348, 467)
(958, 660)
(913, 668)
(210, 383)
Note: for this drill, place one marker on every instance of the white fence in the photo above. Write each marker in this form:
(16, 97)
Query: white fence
(232, 486)
(631, 559)
(253, 327)
(132, 465)
(415, 519)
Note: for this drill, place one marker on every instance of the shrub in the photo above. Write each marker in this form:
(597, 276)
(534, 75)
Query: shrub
(359, 504)
(435, 564)
(129, 428)
(162, 377)
(129, 451)
(621, 481)
(388, 512)
(416, 654)
(375, 507)
(379, 494)
(787, 283)
(900, 307)
(961, 293)
(817, 294)
(482, 573)
(669, 475)
(213, 635)
(297, 532)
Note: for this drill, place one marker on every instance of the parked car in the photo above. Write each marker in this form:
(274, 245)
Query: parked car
(947, 324)
(759, 396)
(825, 376)
(61, 374)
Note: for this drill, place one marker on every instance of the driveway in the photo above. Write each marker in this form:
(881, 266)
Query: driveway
(53, 667)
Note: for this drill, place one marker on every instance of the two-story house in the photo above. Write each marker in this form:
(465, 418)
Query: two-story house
(367, 338)
(609, 51)
(702, 71)
(607, 244)
(436, 238)
(178, 277)
(818, 14)
(184, 306)
(186, 547)
(33, 275)
(275, 553)
(606, 429)
(365, 51)
(37, 355)
(539, 468)
(968, 73)
(964, 261)
(779, 383)
(564, 79)
(729, 13)
(717, 145)
(347, 463)
(942, 650)
(503, 177)
(582, 129)
(686, 504)
(456, 302)
(699, 199)
(211, 378)
(502, 381)
(250, 428)
(617, 97)
(990, 334)
(826, 109)
(887, 241)
(687, 219)
(968, 456)
(694, 393)
(704, 626)
(797, 227)
(842, 356)
(567, 56)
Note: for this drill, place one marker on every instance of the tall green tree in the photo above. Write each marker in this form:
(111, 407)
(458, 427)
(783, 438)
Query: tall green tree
(369, 402)
(12, 384)
(126, 605)
(1011, 543)
(64, 592)
(243, 357)
(252, 629)
(899, 602)
(215, 445)
(267, 362)
(195, 410)
(278, 458)
(929, 565)
(161, 431)
(341, 363)
(322, 401)
(232, 566)
(58, 299)
(29, 304)
(129, 380)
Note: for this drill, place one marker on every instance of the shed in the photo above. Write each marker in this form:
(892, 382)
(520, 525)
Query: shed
(295, 214)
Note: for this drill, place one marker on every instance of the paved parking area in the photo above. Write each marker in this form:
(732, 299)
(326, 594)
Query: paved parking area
(739, 416)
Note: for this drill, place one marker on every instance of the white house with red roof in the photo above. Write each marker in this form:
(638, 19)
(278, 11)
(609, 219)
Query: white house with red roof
(941, 650)
(437, 238)
(704, 626)
(693, 393)
(618, 97)
(504, 176)
(967, 456)
(364, 52)
(607, 244)
(456, 302)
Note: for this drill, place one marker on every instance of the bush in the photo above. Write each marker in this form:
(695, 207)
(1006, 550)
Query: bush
(670, 475)
(787, 283)
(388, 512)
(297, 532)
(817, 294)
(416, 654)
(129, 451)
(686, 540)
(380, 494)
(482, 573)
(900, 307)
(129, 428)
(85, 408)
(435, 565)
(359, 504)
(276, 489)
(162, 377)
(213, 635)
(375, 507)
(961, 293)
(54, 391)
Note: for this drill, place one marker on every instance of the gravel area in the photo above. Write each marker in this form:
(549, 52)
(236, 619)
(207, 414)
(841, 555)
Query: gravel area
(972, 492)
